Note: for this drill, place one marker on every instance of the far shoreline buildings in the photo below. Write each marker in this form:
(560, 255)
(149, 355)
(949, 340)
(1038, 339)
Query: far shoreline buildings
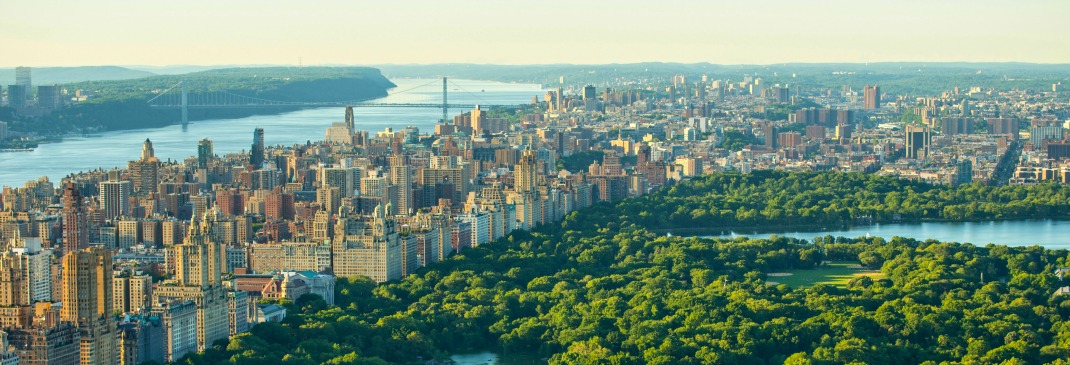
(281, 222)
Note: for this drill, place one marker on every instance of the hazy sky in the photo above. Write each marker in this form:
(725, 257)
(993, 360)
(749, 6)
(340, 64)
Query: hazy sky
(149, 32)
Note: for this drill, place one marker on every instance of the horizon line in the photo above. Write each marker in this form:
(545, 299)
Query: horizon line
(546, 64)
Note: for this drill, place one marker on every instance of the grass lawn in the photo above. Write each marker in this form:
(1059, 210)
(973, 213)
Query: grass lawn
(831, 273)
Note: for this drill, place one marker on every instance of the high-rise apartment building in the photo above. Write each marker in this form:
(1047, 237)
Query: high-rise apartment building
(279, 205)
(770, 136)
(1009, 126)
(49, 97)
(917, 141)
(589, 92)
(230, 202)
(479, 121)
(199, 265)
(115, 198)
(129, 233)
(23, 77)
(205, 153)
(329, 198)
(525, 172)
(145, 172)
(75, 221)
(27, 276)
(950, 126)
(375, 186)
(87, 302)
(256, 152)
(350, 122)
(872, 97)
(346, 179)
(17, 96)
(401, 177)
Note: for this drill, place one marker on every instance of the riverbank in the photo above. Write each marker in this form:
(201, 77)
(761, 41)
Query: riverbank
(115, 148)
(214, 94)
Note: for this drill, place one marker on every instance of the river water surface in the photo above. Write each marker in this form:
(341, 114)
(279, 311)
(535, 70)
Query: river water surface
(114, 149)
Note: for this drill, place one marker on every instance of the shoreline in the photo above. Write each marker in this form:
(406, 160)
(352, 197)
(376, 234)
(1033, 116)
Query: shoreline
(804, 228)
(52, 138)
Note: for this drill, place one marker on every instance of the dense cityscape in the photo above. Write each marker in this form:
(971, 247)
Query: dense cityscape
(165, 258)
(506, 183)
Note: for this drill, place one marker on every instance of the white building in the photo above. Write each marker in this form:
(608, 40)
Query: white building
(480, 222)
(38, 267)
(319, 284)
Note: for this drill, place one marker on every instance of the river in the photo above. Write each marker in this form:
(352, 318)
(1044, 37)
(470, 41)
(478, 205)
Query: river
(1048, 233)
(114, 149)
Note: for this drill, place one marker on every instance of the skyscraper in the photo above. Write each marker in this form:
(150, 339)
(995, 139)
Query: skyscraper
(145, 172)
(49, 97)
(401, 176)
(524, 174)
(75, 221)
(25, 276)
(256, 153)
(479, 121)
(199, 264)
(349, 119)
(917, 142)
(589, 92)
(770, 136)
(87, 302)
(114, 198)
(205, 153)
(22, 77)
(17, 96)
(872, 96)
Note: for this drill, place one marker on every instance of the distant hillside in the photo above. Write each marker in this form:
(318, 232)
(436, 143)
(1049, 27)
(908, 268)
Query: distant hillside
(66, 75)
(185, 69)
(121, 104)
(914, 78)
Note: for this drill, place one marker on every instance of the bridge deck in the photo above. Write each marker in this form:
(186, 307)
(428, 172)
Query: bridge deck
(328, 105)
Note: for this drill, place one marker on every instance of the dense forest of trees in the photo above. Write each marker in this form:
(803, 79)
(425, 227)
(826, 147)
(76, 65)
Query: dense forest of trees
(602, 287)
(822, 199)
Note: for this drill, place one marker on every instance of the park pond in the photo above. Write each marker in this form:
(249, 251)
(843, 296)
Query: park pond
(1052, 234)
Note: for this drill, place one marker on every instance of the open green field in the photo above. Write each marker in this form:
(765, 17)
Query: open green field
(836, 273)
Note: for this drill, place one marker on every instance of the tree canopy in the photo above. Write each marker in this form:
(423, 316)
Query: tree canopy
(602, 287)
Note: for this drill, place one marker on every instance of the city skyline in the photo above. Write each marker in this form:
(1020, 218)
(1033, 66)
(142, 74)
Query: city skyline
(768, 182)
(130, 33)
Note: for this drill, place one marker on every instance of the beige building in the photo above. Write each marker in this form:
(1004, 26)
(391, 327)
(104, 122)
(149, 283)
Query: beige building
(199, 265)
(132, 292)
(367, 246)
(87, 302)
(290, 256)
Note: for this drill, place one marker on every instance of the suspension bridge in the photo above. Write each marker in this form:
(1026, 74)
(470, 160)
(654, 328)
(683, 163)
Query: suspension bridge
(180, 97)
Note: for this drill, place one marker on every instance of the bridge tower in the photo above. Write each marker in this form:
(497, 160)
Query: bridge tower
(445, 103)
(185, 105)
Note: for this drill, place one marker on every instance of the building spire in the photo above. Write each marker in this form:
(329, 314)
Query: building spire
(147, 151)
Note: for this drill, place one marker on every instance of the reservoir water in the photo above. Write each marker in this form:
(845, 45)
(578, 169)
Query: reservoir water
(1048, 233)
(114, 149)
